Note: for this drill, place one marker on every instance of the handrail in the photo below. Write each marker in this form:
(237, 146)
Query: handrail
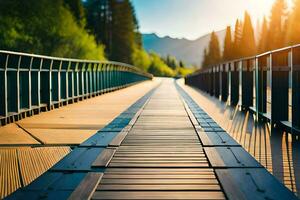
(252, 82)
(31, 83)
(245, 58)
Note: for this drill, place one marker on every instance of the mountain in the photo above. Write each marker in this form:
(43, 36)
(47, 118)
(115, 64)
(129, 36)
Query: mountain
(189, 51)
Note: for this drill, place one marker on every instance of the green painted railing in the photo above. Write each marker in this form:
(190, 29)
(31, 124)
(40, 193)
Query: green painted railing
(31, 83)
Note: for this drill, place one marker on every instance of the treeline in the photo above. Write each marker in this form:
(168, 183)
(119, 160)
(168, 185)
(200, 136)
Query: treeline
(281, 29)
(90, 29)
(46, 27)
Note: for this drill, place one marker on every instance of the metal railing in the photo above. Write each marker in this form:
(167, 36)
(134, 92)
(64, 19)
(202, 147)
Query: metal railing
(267, 85)
(31, 83)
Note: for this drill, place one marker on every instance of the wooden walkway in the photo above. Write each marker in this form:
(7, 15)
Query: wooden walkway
(31, 146)
(161, 157)
(163, 147)
(277, 150)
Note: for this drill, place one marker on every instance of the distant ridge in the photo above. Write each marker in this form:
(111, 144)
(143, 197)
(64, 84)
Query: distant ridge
(190, 51)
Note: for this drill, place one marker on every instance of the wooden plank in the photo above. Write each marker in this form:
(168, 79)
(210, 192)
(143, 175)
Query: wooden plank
(213, 195)
(104, 158)
(230, 157)
(159, 158)
(80, 159)
(156, 170)
(251, 183)
(160, 181)
(87, 186)
(118, 139)
(185, 187)
(157, 176)
(158, 164)
(213, 157)
(204, 138)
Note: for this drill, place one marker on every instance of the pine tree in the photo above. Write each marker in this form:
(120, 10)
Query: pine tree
(123, 36)
(181, 64)
(248, 47)
(98, 14)
(293, 27)
(115, 25)
(262, 46)
(227, 53)
(276, 33)
(237, 39)
(77, 9)
(205, 59)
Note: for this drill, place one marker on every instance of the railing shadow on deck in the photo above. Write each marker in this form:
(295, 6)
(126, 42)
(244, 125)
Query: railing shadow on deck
(274, 148)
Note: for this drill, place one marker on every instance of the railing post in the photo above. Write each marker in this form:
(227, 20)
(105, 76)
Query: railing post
(70, 71)
(64, 82)
(261, 86)
(45, 83)
(211, 80)
(81, 79)
(24, 83)
(279, 86)
(55, 81)
(35, 83)
(224, 82)
(217, 81)
(234, 83)
(75, 82)
(3, 87)
(247, 83)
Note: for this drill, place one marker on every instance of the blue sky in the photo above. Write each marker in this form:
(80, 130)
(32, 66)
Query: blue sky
(193, 18)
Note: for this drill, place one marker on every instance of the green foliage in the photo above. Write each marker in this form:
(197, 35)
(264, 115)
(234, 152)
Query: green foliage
(123, 35)
(141, 59)
(158, 67)
(171, 62)
(45, 27)
(113, 22)
(60, 28)
(182, 72)
(77, 9)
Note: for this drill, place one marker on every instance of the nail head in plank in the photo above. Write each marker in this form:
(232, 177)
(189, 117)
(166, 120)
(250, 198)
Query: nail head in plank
(230, 157)
(252, 183)
(216, 139)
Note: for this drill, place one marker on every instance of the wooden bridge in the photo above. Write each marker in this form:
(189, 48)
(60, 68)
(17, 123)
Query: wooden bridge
(151, 140)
